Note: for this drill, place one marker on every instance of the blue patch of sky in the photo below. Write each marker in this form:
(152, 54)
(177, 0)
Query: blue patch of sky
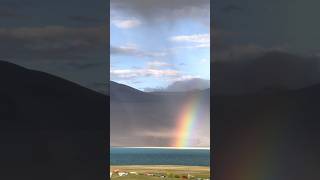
(151, 37)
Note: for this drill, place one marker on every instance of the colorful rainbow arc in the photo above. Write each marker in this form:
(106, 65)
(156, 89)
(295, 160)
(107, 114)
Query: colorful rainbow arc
(186, 121)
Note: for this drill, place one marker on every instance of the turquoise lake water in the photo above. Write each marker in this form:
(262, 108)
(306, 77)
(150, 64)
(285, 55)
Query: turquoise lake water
(159, 156)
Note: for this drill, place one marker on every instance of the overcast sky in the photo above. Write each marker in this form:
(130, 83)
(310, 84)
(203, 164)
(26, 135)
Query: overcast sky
(248, 32)
(63, 38)
(156, 43)
(250, 26)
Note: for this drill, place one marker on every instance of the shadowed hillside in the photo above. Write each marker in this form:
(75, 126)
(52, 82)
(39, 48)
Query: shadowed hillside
(51, 128)
(253, 131)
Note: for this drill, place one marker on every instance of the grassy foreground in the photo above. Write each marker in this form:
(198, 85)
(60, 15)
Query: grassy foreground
(152, 172)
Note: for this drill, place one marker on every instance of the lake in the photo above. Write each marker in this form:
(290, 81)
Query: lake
(159, 156)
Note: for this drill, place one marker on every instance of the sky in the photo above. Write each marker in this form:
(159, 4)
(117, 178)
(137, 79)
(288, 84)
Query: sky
(64, 38)
(259, 26)
(261, 45)
(154, 44)
(48, 36)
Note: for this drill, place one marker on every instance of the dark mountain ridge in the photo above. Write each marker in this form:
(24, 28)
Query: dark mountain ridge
(41, 100)
(50, 128)
(121, 92)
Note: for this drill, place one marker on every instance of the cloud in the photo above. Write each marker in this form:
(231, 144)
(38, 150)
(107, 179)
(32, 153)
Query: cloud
(197, 40)
(228, 52)
(15, 5)
(11, 10)
(51, 42)
(157, 64)
(153, 69)
(84, 19)
(184, 78)
(232, 8)
(204, 61)
(267, 71)
(147, 72)
(5, 14)
(226, 48)
(126, 24)
(169, 10)
(182, 83)
(82, 66)
(133, 50)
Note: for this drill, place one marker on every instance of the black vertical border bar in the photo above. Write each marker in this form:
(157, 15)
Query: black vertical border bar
(107, 145)
(212, 164)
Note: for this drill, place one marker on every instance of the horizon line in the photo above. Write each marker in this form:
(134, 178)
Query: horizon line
(205, 148)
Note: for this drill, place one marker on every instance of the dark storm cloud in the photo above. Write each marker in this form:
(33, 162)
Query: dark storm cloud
(167, 9)
(15, 4)
(64, 38)
(50, 42)
(12, 10)
(10, 14)
(85, 19)
(226, 47)
(272, 23)
(269, 71)
(81, 66)
(244, 45)
(231, 52)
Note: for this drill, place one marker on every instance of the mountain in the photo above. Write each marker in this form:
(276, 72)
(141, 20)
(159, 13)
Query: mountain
(121, 92)
(51, 128)
(276, 133)
(188, 85)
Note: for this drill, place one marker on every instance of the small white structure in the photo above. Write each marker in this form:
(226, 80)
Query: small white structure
(135, 173)
(122, 174)
(190, 176)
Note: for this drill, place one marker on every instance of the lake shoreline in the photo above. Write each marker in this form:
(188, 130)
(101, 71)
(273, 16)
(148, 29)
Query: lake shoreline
(158, 171)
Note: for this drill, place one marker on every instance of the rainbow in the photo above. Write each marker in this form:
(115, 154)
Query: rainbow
(186, 121)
